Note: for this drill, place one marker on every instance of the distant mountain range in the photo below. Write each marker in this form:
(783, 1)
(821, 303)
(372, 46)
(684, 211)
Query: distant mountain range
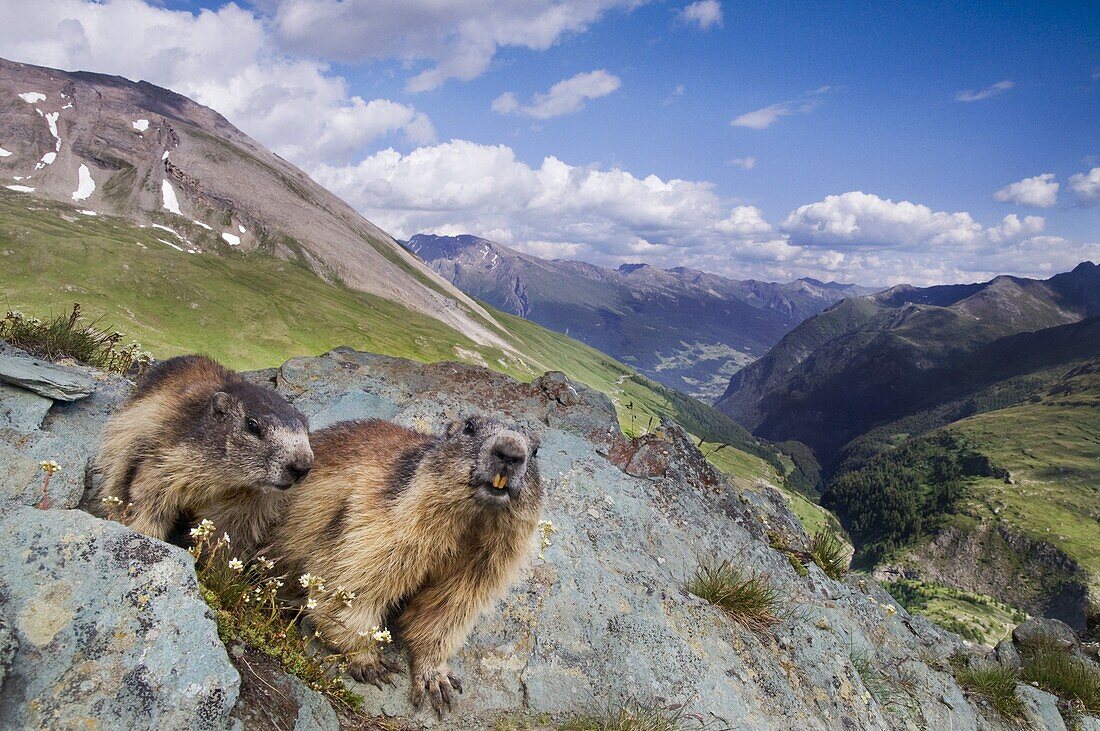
(871, 361)
(684, 328)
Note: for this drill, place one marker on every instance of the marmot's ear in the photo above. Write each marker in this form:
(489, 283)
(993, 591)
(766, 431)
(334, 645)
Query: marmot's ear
(222, 402)
(454, 428)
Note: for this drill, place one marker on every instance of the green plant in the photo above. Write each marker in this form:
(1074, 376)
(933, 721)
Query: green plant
(247, 604)
(995, 683)
(68, 336)
(635, 715)
(752, 600)
(874, 680)
(1056, 671)
(830, 552)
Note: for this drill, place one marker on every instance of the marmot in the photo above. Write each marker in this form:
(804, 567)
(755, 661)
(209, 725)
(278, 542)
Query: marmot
(435, 526)
(195, 440)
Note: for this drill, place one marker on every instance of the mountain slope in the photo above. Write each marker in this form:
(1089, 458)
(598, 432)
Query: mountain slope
(154, 157)
(684, 328)
(873, 360)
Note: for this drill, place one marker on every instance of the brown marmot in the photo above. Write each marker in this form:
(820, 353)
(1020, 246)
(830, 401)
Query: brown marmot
(435, 526)
(195, 440)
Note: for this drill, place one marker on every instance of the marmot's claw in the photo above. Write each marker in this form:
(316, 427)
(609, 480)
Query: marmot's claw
(438, 686)
(374, 671)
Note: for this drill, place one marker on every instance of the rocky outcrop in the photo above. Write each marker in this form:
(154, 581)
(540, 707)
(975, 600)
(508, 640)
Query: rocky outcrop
(97, 616)
(107, 627)
(1013, 568)
(42, 377)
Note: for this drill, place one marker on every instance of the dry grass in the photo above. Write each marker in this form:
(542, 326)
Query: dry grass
(68, 336)
(750, 600)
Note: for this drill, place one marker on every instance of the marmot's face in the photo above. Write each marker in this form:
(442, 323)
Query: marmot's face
(504, 470)
(266, 440)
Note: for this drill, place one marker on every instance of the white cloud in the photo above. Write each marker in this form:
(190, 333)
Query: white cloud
(969, 95)
(457, 39)
(767, 116)
(221, 58)
(605, 216)
(678, 91)
(746, 163)
(863, 221)
(702, 14)
(565, 97)
(1040, 191)
(1086, 186)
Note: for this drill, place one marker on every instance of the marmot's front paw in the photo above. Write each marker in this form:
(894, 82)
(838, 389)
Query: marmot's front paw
(373, 669)
(438, 684)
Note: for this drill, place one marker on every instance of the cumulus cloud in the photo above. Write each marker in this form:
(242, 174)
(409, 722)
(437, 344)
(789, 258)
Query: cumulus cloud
(702, 14)
(745, 163)
(221, 58)
(605, 216)
(565, 97)
(857, 220)
(1086, 186)
(767, 116)
(455, 39)
(1040, 191)
(970, 95)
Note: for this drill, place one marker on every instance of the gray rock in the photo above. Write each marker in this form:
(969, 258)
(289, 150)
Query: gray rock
(21, 411)
(8, 646)
(110, 629)
(1040, 708)
(47, 379)
(69, 434)
(1088, 723)
(604, 616)
(1038, 630)
(1008, 655)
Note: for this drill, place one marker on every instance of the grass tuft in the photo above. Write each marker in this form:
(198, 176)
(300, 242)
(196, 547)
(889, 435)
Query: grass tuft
(752, 600)
(829, 551)
(995, 683)
(637, 716)
(1070, 678)
(69, 336)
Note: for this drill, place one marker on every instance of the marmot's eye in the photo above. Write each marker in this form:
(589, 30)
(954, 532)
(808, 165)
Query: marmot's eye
(254, 427)
(470, 427)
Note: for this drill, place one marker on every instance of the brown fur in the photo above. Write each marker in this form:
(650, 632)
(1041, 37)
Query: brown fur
(405, 519)
(180, 447)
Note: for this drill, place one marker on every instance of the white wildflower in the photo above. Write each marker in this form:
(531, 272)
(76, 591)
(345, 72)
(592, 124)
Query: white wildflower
(236, 564)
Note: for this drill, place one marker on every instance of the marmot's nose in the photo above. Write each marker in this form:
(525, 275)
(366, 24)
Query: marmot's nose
(299, 468)
(509, 454)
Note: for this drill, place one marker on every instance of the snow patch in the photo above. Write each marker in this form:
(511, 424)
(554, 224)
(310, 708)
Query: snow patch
(171, 203)
(230, 239)
(47, 159)
(51, 119)
(200, 223)
(140, 124)
(4, 153)
(164, 156)
(85, 186)
(88, 213)
(32, 97)
(20, 189)
(177, 248)
(67, 106)
(241, 229)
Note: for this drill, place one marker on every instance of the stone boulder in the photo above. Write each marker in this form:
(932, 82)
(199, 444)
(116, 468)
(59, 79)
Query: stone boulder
(47, 379)
(104, 628)
(604, 616)
(1039, 630)
(36, 428)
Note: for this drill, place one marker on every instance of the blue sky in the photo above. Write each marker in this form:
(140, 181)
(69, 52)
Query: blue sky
(898, 122)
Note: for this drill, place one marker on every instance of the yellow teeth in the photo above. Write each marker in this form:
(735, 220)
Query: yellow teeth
(500, 482)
